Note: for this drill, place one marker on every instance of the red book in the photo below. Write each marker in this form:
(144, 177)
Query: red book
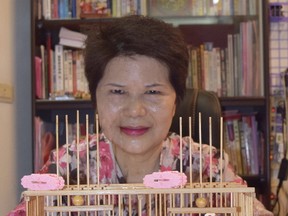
(55, 14)
(38, 77)
(49, 66)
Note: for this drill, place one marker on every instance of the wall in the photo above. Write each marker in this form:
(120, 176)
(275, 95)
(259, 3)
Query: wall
(15, 117)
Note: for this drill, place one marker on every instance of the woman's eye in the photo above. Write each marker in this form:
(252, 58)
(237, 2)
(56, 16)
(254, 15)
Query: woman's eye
(117, 91)
(153, 92)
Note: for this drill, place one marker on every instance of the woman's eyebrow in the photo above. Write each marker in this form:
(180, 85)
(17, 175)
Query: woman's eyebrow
(155, 85)
(114, 84)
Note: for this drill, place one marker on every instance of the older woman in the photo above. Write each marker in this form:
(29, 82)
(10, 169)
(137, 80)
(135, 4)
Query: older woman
(136, 68)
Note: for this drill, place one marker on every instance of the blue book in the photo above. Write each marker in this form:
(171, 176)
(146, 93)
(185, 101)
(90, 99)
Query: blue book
(61, 9)
(74, 8)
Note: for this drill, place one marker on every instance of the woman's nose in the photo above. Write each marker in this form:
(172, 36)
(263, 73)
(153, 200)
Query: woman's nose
(135, 107)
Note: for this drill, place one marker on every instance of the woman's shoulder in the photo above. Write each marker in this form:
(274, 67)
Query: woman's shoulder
(69, 151)
(81, 142)
(173, 140)
(78, 144)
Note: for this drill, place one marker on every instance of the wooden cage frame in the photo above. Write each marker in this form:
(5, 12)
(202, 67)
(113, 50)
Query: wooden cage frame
(107, 199)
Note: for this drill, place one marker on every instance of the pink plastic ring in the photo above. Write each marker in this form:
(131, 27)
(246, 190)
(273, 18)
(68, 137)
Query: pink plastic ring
(167, 179)
(42, 182)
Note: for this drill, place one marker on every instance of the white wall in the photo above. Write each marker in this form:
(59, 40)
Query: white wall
(15, 117)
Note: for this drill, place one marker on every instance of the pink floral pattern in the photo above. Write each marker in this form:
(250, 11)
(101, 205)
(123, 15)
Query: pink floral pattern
(107, 163)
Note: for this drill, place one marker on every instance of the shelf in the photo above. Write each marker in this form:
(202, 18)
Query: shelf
(63, 104)
(86, 104)
(55, 23)
(278, 19)
(208, 20)
(174, 20)
(242, 101)
(205, 20)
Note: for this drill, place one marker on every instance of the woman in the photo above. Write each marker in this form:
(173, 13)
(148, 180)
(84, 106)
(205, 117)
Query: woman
(136, 68)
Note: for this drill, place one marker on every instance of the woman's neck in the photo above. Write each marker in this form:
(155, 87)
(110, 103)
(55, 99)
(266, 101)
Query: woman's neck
(135, 167)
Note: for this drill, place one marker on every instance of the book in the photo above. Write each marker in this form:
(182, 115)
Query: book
(67, 72)
(223, 52)
(207, 66)
(246, 160)
(232, 143)
(143, 7)
(237, 143)
(194, 67)
(202, 72)
(44, 81)
(49, 63)
(44, 142)
(64, 8)
(73, 6)
(215, 70)
(236, 78)
(255, 144)
(52, 78)
(59, 69)
(258, 76)
(80, 82)
(98, 8)
(73, 35)
(54, 8)
(74, 71)
(72, 43)
(230, 66)
(199, 68)
(250, 144)
(170, 8)
(189, 74)
(78, 8)
(197, 8)
(46, 9)
(38, 77)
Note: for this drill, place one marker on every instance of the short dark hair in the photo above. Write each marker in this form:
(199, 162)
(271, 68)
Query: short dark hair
(136, 34)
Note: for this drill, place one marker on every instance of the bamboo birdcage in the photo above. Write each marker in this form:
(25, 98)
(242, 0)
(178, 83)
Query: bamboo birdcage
(221, 198)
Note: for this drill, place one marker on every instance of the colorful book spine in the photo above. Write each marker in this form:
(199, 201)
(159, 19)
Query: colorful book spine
(59, 67)
(38, 77)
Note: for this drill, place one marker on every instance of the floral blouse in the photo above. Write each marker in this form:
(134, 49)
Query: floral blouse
(110, 172)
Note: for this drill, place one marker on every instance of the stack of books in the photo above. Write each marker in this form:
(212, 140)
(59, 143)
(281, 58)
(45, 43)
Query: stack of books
(71, 38)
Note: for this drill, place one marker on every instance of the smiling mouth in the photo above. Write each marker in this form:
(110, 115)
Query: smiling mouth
(134, 131)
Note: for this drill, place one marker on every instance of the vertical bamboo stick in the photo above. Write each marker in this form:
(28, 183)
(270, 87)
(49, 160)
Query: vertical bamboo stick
(67, 160)
(210, 157)
(181, 157)
(221, 159)
(87, 159)
(190, 152)
(57, 145)
(67, 152)
(87, 152)
(181, 143)
(98, 149)
(57, 153)
(200, 153)
(77, 149)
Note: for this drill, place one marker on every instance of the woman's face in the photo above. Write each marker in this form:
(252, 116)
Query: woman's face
(135, 103)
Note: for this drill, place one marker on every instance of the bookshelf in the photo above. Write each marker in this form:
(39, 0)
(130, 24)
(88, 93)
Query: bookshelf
(197, 29)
